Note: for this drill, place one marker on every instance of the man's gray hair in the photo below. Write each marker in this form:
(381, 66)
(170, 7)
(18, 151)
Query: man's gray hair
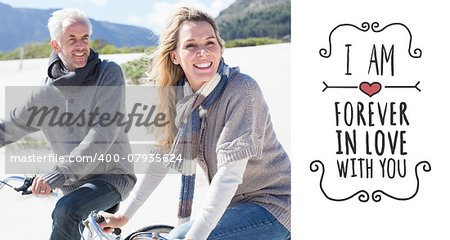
(55, 22)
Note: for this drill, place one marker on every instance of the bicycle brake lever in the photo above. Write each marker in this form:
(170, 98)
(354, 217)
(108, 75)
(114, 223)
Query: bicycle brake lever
(26, 184)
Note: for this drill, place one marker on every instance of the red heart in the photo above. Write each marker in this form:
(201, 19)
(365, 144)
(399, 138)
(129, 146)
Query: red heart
(370, 88)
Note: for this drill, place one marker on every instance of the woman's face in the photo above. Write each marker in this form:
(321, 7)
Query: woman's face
(198, 52)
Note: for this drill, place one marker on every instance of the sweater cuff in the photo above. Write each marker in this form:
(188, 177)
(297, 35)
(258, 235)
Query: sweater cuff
(54, 179)
(226, 156)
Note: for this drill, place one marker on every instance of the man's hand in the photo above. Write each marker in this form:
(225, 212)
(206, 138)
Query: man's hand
(40, 187)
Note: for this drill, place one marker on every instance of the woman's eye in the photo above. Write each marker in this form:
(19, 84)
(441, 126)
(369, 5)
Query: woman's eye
(190, 46)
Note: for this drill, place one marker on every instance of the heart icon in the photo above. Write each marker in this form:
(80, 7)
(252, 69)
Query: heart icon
(370, 88)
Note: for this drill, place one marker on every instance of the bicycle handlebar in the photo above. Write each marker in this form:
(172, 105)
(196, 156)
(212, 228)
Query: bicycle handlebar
(27, 182)
(91, 224)
(99, 219)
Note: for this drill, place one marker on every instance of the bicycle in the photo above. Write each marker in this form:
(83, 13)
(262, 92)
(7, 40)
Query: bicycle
(153, 232)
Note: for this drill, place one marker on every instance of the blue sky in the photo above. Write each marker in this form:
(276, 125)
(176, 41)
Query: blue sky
(145, 13)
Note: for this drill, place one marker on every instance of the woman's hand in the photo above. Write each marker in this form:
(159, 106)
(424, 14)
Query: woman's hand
(112, 221)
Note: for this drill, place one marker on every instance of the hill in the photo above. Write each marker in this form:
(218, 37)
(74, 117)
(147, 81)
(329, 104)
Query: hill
(25, 25)
(256, 18)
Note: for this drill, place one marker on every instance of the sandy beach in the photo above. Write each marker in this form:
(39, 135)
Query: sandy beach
(29, 217)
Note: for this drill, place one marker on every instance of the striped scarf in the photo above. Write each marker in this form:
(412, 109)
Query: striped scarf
(190, 110)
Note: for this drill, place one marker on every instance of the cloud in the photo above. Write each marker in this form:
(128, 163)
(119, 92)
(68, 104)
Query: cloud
(100, 2)
(135, 20)
(162, 10)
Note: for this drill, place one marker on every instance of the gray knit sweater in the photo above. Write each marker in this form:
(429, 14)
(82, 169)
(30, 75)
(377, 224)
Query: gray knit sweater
(107, 94)
(238, 126)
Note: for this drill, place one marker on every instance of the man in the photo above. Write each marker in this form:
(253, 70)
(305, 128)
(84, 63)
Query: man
(78, 84)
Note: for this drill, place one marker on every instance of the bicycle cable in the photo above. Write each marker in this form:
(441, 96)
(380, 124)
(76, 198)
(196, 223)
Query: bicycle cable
(81, 231)
(3, 183)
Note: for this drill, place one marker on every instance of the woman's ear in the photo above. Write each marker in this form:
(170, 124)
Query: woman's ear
(55, 46)
(174, 58)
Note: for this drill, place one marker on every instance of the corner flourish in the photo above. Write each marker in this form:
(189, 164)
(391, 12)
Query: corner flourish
(417, 51)
(376, 195)
(365, 26)
(363, 195)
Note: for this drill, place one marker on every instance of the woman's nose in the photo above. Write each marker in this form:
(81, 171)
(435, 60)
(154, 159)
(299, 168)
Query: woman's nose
(202, 51)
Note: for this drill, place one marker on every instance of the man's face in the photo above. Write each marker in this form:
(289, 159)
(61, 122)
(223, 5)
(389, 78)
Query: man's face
(74, 45)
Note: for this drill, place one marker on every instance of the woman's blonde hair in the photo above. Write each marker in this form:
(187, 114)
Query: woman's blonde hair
(166, 73)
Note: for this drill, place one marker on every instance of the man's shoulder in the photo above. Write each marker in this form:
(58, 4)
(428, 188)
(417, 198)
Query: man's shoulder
(110, 73)
(107, 65)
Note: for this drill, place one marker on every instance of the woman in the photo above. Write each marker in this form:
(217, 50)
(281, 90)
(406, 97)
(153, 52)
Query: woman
(224, 113)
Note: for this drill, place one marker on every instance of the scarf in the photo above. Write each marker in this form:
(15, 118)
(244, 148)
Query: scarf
(190, 110)
(60, 76)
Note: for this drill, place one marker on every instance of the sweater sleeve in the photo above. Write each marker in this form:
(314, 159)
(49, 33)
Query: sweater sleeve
(246, 117)
(110, 98)
(220, 192)
(14, 127)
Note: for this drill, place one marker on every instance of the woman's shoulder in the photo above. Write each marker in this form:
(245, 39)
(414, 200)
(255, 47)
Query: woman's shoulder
(242, 83)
